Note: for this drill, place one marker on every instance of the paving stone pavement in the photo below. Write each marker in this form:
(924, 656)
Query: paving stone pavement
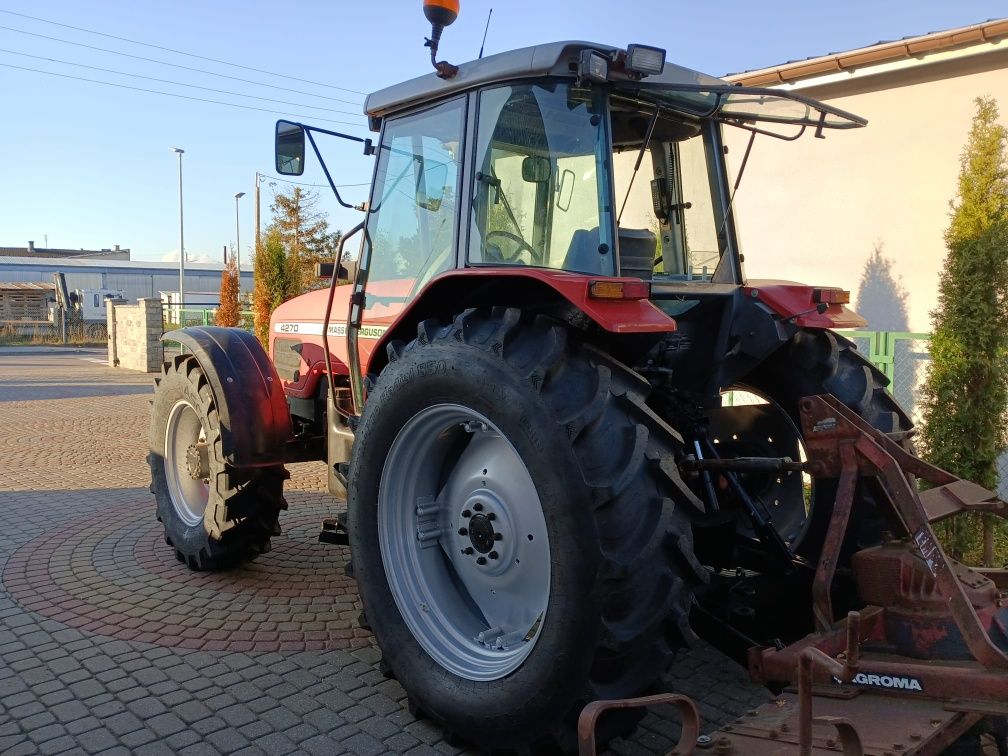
(109, 645)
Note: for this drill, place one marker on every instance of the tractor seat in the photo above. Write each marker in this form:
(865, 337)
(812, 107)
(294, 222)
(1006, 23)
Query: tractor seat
(583, 254)
(636, 251)
(637, 247)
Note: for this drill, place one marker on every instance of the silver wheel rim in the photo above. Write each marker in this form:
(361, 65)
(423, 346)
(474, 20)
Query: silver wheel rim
(464, 543)
(188, 496)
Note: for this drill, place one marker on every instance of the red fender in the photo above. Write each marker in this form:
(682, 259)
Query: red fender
(796, 301)
(299, 321)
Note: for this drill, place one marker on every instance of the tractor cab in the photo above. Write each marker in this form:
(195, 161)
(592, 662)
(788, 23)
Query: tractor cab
(574, 159)
(566, 158)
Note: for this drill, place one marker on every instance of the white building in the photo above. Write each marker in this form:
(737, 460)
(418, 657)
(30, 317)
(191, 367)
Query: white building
(135, 278)
(812, 210)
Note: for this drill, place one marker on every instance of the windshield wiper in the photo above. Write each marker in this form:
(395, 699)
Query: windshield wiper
(493, 181)
(640, 157)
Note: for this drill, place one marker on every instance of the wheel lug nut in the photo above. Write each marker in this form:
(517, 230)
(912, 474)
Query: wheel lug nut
(466, 513)
(463, 531)
(467, 550)
(492, 555)
(478, 506)
(480, 560)
(498, 537)
(491, 516)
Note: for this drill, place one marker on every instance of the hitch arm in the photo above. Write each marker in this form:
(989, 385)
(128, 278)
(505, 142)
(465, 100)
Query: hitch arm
(827, 426)
(761, 518)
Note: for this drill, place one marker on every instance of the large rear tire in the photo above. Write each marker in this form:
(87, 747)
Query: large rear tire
(823, 362)
(214, 516)
(590, 588)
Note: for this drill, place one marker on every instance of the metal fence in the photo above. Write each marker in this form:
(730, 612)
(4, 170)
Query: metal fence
(173, 318)
(904, 358)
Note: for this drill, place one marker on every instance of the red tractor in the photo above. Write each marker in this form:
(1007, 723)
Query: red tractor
(520, 397)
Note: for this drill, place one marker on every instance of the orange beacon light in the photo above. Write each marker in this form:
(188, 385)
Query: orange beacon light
(440, 13)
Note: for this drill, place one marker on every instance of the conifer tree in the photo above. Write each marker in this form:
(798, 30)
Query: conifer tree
(277, 279)
(228, 310)
(965, 396)
(304, 231)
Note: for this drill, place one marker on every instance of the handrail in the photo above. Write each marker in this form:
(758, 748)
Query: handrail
(330, 380)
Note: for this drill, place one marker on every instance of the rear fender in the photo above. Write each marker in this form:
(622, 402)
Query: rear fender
(455, 290)
(255, 421)
(794, 303)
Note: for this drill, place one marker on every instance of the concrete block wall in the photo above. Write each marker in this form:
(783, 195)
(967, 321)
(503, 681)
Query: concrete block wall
(134, 333)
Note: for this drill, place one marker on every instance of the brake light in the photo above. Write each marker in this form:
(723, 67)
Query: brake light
(617, 289)
(831, 296)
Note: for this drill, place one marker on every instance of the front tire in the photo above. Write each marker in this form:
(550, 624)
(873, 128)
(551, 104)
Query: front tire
(214, 516)
(591, 587)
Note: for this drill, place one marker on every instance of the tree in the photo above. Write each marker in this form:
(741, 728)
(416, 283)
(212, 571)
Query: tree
(228, 310)
(304, 231)
(966, 391)
(285, 256)
(277, 279)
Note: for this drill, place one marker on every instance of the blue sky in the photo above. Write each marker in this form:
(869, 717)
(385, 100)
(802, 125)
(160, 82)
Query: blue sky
(88, 165)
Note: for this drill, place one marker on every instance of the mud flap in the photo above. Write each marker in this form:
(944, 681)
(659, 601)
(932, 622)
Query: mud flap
(255, 421)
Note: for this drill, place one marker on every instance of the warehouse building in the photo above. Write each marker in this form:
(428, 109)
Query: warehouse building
(108, 253)
(135, 278)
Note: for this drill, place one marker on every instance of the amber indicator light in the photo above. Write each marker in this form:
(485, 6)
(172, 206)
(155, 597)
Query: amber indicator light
(619, 290)
(830, 296)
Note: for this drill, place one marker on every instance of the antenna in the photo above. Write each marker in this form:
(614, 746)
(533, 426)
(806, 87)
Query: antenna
(485, 30)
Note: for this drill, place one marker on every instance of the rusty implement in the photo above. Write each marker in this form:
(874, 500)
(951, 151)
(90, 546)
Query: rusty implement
(922, 663)
(690, 718)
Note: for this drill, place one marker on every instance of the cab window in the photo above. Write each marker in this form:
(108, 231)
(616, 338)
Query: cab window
(541, 179)
(665, 194)
(411, 224)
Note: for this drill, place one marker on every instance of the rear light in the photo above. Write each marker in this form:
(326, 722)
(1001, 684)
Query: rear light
(616, 289)
(831, 296)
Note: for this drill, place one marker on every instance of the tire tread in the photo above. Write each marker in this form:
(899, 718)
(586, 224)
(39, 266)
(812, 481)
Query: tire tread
(246, 503)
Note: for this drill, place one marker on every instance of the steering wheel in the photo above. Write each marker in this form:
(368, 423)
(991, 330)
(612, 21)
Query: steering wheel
(520, 246)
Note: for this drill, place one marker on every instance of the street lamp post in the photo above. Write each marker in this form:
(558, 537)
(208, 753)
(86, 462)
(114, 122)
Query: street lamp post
(178, 151)
(259, 178)
(238, 236)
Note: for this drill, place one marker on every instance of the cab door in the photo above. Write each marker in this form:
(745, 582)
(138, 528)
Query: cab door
(412, 226)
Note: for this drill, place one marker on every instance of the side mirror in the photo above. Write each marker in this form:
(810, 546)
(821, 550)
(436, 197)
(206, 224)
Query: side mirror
(565, 190)
(290, 148)
(536, 170)
(348, 269)
(431, 184)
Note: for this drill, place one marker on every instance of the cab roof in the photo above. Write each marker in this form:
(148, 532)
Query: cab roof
(552, 59)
